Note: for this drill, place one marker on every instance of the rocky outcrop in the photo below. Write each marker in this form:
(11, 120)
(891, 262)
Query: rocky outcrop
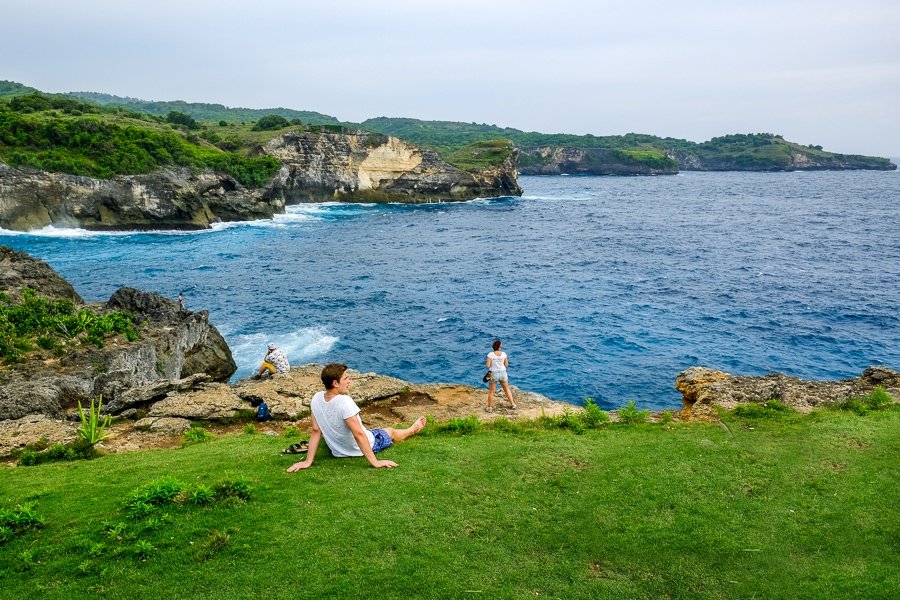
(168, 199)
(19, 271)
(556, 160)
(177, 351)
(372, 167)
(704, 389)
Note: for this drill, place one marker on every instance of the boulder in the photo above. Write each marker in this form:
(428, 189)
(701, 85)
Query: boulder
(19, 271)
(704, 389)
(32, 430)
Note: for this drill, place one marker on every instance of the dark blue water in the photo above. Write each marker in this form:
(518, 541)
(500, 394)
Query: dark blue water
(600, 287)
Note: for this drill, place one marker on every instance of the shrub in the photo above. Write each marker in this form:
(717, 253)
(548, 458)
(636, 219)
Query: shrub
(271, 123)
(232, 488)
(291, 432)
(593, 416)
(196, 435)
(459, 426)
(249, 429)
(16, 520)
(877, 399)
(202, 495)
(631, 415)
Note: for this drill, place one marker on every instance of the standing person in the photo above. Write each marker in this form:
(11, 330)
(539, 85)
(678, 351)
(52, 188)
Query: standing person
(181, 302)
(497, 362)
(335, 416)
(275, 361)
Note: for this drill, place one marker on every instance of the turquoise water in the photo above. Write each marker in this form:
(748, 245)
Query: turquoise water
(605, 287)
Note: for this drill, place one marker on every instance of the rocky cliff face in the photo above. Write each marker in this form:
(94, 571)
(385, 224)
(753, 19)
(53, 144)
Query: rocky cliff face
(177, 350)
(556, 160)
(371, 167)
(168, 199)
(317, 167)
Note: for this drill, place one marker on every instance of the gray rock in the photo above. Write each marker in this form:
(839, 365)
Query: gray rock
(703, 389)
(18, 433)
(173, 198)
(19, 271)
(163, 424)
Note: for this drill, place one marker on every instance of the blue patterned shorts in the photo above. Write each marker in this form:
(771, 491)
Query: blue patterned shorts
(382, 440)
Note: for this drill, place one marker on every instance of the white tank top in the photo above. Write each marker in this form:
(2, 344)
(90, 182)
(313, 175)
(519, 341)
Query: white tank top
(498, 363)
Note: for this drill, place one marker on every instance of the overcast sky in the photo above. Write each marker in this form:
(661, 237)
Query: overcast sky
(816, 71)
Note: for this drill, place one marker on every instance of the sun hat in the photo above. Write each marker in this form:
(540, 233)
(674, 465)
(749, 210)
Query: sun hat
(271, 346)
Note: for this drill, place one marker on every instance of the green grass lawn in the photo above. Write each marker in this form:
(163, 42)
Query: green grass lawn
(788, 507)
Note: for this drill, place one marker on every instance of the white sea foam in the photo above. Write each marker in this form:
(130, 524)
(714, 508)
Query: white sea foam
(301, 346)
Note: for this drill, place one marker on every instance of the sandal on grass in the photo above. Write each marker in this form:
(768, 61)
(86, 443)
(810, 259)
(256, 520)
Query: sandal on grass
(299, 448)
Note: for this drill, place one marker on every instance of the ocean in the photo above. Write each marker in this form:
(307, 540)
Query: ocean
(600, 287)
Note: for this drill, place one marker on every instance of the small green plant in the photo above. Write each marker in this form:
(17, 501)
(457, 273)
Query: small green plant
(232, 488)
(202, 495)
(292, 432)
(458, 426)
(250, 429)
(142, 549)
(666, 417)
(196, 435)
(216, 541)
(630, 414)
(16, 520)
(26, 560)
(593, 416)
(93, 428)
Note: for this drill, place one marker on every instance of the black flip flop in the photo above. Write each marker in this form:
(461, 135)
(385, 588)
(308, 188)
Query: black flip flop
(299, 448)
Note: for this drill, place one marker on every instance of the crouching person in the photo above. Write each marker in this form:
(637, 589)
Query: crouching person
(335, 416)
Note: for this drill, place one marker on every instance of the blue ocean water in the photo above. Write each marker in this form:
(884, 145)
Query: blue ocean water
(603, 287)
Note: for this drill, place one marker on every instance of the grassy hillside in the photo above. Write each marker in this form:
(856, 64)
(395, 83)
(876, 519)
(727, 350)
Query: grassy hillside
(203, 111)
(59, 134)
(758, 507)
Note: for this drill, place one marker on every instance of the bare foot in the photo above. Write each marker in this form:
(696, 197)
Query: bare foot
(418, 425)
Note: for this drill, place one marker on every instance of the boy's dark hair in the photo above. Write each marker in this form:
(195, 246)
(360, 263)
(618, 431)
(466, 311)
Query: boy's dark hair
(496, 344)
(332, 373)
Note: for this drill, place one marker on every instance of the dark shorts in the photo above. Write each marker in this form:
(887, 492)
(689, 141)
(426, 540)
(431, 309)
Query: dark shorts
(382, 440)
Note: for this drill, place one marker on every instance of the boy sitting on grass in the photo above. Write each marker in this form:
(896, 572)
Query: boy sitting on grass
(336, 417)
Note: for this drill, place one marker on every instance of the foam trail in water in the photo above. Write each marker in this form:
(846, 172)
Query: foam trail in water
(301, 346)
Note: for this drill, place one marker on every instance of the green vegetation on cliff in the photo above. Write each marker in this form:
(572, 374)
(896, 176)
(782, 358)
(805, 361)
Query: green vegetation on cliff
(480, 155)
(762, 151)
(775, 506)
(203, 111)
(52, 325)
(60, 134)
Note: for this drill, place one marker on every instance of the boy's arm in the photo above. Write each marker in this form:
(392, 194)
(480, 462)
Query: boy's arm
(362, 441)
(314, 438)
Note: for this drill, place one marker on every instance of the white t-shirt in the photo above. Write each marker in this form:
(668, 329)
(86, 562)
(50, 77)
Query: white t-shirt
(498, 363)
(330, 416)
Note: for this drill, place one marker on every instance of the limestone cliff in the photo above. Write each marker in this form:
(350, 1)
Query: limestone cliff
(371, 167)
(556, 160)
(167, 199)
(316, 167)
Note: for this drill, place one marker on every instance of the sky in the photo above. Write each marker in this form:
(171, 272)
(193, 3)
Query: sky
(818, 72)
